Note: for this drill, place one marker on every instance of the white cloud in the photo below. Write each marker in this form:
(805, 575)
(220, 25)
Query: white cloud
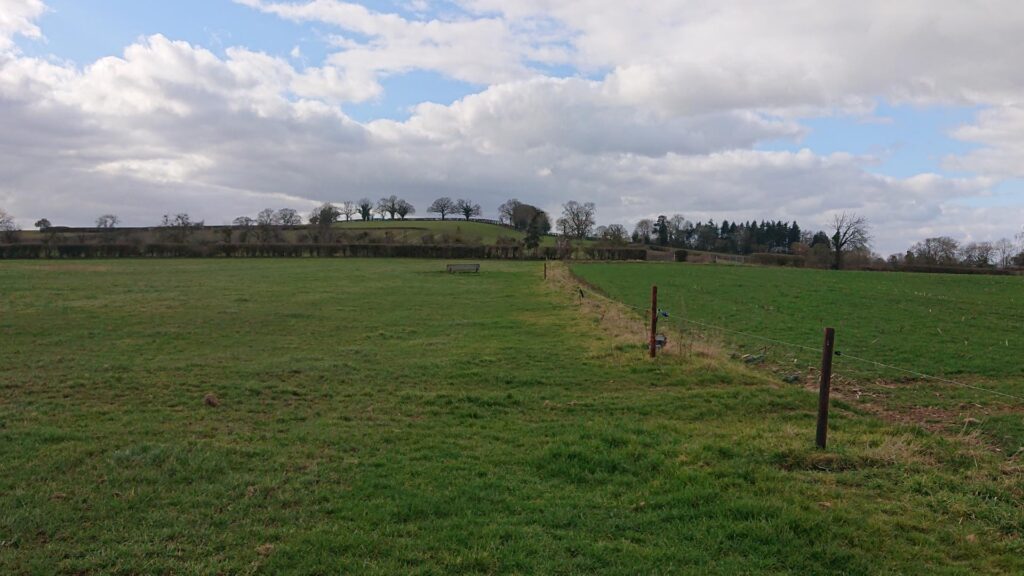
(1000, 133)
(699, 53)
(683, 92)
(579, 115)
(17, 18)
(477, 50)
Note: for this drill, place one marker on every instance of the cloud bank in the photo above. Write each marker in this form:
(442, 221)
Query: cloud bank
(666, 109)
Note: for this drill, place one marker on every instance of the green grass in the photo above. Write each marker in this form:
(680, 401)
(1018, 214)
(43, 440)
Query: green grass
(966, 328)
(381, 417)
(412, 231)
(400, 231)
(936, 323)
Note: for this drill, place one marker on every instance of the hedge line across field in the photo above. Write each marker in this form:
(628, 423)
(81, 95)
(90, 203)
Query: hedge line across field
(73, 251)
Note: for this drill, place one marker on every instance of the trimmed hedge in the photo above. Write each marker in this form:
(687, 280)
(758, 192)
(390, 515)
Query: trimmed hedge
(766, 259)
(597, 253)
(437, 251)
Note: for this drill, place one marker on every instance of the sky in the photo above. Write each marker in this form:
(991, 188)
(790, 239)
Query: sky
(910, 113)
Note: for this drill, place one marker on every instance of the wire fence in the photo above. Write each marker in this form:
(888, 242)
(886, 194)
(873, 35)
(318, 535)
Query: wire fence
(681, 324)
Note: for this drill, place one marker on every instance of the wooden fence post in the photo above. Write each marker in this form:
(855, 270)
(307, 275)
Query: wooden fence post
(654, 321)
(827, 351)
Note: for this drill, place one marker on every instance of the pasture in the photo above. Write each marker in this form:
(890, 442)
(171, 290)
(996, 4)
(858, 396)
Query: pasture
(968, 329)
(414, 231)
(451, 231)
(316, 416)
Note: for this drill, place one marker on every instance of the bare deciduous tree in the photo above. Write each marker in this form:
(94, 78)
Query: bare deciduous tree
(506, 212)
(977, 254)
(1005, 251)
(577, 219)
(851, 232)
(615, 234)
(266, 222)
(322, 220)
(404, 209)
(443, 206)
(643, 231)
(467, 208)
(8, 228)
(366, 209)
(287, 217)
(348, 209)
(388, 205)
(107, 221)
(265, 217)
(245, 225)
(179, 227)
(938, 251)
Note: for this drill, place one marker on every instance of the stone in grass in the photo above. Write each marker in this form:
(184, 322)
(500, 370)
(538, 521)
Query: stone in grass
(211, 400)
(791, 378)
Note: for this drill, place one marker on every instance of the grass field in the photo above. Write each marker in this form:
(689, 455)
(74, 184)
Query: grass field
(401, 231)
(412, 231)
(966, 328)
(381, 417)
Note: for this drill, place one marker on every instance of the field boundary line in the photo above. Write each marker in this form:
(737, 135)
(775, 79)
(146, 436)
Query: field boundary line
(841, 355)
(596, 296)
(927, 376)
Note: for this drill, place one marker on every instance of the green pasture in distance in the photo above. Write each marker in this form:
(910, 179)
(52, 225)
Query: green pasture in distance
(412, 231)
(939, 324)
(333, 416)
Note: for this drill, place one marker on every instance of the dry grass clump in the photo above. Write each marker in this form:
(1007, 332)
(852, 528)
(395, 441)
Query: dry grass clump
(629, 327)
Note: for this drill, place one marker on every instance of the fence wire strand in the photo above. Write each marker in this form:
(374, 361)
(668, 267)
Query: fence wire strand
(841, 355)
(844, 355)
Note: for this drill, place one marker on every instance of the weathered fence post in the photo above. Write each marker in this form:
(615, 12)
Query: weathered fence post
(827, 350)
(654, 321)
(545, 269)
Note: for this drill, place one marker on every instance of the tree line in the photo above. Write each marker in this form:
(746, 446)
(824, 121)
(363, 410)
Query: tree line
(847, 237)
(944, 251)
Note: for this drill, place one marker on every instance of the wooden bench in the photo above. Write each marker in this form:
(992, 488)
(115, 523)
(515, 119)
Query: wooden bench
(462, 268)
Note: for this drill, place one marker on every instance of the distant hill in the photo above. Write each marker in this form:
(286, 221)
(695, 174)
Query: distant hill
(416, 231)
